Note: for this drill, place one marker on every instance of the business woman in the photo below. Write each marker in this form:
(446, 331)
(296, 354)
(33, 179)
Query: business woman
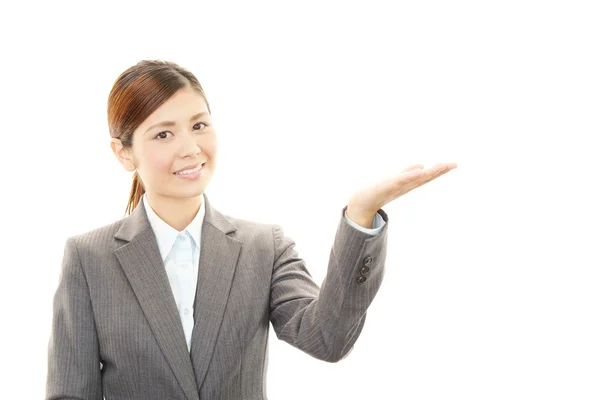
(174, 300)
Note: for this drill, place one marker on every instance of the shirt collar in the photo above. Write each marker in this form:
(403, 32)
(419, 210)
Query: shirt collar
(166, 234)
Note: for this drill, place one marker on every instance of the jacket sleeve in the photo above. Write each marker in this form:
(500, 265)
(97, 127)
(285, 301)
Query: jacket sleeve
(73, 354)
(325, 322)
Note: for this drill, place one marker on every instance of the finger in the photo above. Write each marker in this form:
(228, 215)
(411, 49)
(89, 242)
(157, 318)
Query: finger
(409, 183)
(413, 167)
(409, 176)
(433, 173)
(415, 176)
(438, 169)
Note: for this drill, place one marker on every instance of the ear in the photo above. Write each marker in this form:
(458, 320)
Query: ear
(123, 155)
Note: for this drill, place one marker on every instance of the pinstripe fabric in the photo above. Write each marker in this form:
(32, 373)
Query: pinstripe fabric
(116, 330)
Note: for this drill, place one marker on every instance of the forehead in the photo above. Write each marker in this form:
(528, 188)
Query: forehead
(179, 108)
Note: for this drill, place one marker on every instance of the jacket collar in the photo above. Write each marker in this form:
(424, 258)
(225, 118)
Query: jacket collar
(138, 221)
(166, 235)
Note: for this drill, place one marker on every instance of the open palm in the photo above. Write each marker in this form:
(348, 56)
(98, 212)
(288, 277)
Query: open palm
(372, 198)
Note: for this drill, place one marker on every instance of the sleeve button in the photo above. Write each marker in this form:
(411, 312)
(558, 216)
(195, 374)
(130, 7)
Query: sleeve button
(361, 279)
(365, 270)
(367, 261)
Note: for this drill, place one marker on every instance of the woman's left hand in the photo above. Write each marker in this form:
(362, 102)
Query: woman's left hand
(364, 203)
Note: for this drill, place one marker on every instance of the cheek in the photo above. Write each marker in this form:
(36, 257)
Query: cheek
(210, 147)
(157, 162)
(160, 164)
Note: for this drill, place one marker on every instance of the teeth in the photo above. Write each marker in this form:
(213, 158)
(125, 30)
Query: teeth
(190, 171)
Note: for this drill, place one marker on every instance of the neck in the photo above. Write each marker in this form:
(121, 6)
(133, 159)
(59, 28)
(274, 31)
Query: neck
(177, 212)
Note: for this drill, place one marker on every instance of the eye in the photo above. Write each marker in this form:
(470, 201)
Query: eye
(165, 132)
(203, 123)
(161, 133)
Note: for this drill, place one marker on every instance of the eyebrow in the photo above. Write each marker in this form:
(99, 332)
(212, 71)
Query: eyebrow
(173, 123)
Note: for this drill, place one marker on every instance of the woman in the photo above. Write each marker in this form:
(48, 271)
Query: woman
(174, 300)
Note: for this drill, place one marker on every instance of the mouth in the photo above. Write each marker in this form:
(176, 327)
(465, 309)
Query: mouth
(191, 171)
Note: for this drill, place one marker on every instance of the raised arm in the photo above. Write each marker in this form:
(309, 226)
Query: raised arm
(326, 322)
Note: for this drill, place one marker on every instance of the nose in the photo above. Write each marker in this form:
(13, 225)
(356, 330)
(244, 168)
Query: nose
(189, 146)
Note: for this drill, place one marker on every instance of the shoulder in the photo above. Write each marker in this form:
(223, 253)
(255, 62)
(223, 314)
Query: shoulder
(258, 235)
(101, 238)
(248, 229)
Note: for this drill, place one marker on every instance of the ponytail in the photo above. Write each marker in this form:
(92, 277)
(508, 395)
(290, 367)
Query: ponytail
(137, 190)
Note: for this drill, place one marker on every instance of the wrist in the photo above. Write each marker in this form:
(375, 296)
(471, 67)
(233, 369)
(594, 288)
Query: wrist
(360, 216)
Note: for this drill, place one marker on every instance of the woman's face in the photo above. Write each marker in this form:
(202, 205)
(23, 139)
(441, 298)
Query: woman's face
(171, 139)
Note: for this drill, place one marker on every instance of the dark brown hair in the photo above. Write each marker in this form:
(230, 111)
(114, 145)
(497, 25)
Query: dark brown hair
(136, 94)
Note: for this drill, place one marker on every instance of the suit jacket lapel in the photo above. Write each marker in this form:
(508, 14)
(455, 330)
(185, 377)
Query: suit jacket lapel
(218, 260)
(142, 263)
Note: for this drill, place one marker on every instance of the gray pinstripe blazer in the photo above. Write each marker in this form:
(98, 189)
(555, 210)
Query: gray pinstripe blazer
(116, 331)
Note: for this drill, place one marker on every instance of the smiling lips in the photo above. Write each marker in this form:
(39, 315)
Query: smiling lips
(190, 169)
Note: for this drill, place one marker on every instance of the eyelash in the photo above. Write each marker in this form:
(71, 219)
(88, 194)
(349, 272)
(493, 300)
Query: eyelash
(204, 123)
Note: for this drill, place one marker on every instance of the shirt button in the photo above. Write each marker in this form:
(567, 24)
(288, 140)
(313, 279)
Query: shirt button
(186, 311)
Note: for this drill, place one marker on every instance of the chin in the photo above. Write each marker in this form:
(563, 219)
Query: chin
(190, 192)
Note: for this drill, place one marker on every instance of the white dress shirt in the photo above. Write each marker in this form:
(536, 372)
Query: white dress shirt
(180, 252)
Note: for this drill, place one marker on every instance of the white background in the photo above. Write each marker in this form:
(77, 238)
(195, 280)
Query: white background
(492, 275)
